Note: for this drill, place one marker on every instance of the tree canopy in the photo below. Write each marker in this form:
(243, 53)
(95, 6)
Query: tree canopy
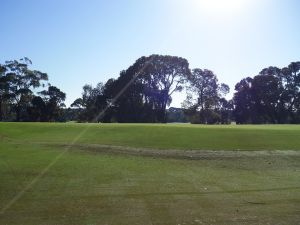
(205, 101)
(143, 94)
(273, 96)
(18, 100)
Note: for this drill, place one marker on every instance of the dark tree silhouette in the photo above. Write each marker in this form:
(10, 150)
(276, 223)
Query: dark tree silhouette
(22, 81)
(4, 90)
(146, 88)
(54, 102)
(143, 92)
(37, 110)
(91, 102)
(271, 97)
(19, 102)
(164, 76)
(205, 102)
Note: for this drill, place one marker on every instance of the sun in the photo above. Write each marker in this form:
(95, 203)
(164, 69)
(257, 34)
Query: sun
(221, 8)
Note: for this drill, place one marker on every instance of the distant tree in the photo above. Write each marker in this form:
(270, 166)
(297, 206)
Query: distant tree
(22, 81)
(270, 97)
(70, 114)
(257, 99)
(225, 110)
(243, 101)
(176, 115)
(290, 97)
(164, 75)
(54, 102)
(3, 90)
(266, 91)
(205, 101)
(37, 110)
(204, 84)
(144, 90)
(125, 96)
(91, 103)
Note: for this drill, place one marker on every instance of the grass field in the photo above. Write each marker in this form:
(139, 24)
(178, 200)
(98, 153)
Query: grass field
(247, 175)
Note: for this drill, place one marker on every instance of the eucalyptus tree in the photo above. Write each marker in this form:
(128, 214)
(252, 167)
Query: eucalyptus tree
(163, 76)
(291, 91)
(91, 102)
(205, 97)
(22, 82)
(273, 96)
(243, 101)
(54, 102)
(143, 91)
(4, 87)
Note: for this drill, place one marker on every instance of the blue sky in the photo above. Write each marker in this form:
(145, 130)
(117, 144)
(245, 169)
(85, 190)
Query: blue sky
(88, 41)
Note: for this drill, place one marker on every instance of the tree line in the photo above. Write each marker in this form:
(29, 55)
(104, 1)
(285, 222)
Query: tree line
(143, 93)
(273, 96)
(18, 99)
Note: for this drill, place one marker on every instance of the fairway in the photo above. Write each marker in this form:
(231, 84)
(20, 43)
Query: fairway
(143, 174)
(158, 136)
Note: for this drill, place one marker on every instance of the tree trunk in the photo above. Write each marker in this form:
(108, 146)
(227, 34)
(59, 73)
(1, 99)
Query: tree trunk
(163, 113)
(18, 113)
(1, 113)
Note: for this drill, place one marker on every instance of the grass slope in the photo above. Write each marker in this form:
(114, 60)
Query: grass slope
(90, 188)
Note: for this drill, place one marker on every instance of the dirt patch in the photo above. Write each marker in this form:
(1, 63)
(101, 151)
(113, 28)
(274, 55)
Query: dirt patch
(179, 154)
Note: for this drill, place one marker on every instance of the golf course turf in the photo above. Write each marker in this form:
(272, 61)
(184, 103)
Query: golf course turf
(143, 174)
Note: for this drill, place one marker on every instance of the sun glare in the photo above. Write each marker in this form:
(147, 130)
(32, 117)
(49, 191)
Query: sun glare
(221, 8)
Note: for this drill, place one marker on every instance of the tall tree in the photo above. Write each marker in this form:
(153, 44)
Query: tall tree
(144, 90)
(54, 102)
(272, 96)
(243, 101)
(290, 98)
(23, 81)
(91, 103)
(164, 75)
(3, 90)
(37, 110)
(203, 103)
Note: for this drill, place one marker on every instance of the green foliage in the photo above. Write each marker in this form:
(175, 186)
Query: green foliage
(17, 98)
(140, 94)
(205, 103)
(273, 96)
(176, 115)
